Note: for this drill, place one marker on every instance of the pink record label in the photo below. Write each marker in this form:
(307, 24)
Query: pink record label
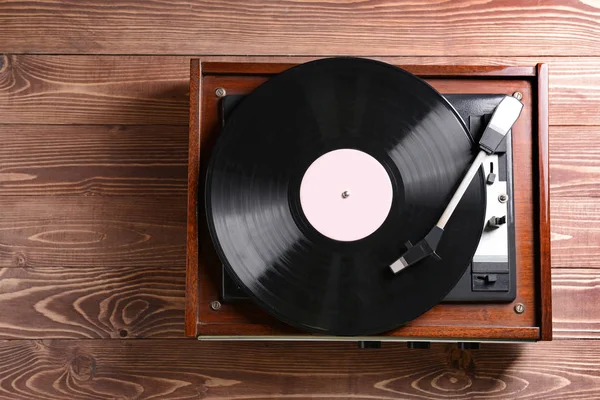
(346, 194)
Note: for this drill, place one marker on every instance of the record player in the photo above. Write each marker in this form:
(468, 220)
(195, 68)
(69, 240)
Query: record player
(349, 199)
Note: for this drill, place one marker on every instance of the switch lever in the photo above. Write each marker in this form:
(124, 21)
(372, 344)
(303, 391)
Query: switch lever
(495, 222)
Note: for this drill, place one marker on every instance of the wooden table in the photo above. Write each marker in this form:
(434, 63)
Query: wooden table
(93, 155)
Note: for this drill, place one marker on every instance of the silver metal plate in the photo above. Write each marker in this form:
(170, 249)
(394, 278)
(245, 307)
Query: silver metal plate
(493, 245)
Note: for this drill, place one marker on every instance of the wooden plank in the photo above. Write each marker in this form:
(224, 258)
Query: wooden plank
(575, 227)
(574, 91)
(136, 302)
(103, 302)
(93, 160)
(187, 369)
(576, 295)
(92, 231)
(300, 27)
(574, 161)
(94, 90)
(154, 90)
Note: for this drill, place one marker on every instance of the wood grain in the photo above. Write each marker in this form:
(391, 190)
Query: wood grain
(574, 161)
(421, 70)
(543, 202)
(92, 231)
(576, 295)
(575, 232)
(41, 89)
(141, 302)
(92, 218)
(103, 302)
(574, 85)
(94, 90)
(192, 245)
(89, 160)
(187, 369)
(300, 27)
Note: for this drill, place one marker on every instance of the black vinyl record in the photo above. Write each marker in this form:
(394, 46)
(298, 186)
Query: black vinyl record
(264, 238)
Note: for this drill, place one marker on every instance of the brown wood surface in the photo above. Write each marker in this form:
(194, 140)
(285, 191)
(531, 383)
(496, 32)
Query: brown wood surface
(576, 295)
(295, 27)
(575, 232)
(48, 231)
(94, 90)
(91, 89)
(188, 369)
(102, 302)
(60, 173)
(574, 162)
(93, 160)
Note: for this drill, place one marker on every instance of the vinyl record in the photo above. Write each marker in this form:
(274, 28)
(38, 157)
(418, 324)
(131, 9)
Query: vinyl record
(318, 179)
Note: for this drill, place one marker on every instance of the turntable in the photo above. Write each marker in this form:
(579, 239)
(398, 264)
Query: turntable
(349, 199)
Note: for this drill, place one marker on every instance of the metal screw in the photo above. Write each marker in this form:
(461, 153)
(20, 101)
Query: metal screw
(345, 194)
(215, 305)
(220, 92)
(502, 198)
(518, 95)
(519, 308)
